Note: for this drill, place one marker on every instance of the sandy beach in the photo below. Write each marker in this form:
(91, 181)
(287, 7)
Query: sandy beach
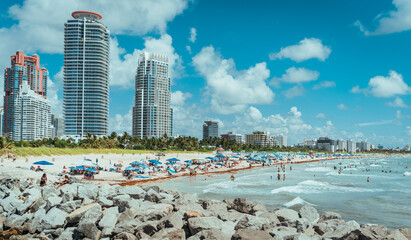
(21, 166)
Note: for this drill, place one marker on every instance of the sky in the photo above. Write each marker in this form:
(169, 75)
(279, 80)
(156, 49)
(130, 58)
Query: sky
(304, 69)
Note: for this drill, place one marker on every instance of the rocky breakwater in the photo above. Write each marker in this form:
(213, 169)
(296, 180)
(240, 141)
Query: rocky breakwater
(88, 211)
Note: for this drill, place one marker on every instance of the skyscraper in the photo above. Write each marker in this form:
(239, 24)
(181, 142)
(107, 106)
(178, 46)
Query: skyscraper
(86, 71)
(152, 115)
(210, 129)
(32, 115)
(23, 69)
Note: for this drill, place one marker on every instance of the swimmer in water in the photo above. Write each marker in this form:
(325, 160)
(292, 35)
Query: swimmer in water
(284, 177)
(368, 179)
(279, 177)
(232, 177)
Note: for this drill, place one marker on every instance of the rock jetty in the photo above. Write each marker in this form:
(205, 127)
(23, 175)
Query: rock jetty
(88, 211)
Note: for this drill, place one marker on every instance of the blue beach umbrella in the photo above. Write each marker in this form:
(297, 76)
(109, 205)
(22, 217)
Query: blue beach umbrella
(154, 161)
(91, 170)
(43, 163)
(220, 156)
(130, 169)
(80, 167)
(173, 160)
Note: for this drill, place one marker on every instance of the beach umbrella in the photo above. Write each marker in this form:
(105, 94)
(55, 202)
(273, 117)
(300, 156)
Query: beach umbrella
(130, 169)
(220, 164)
(173, 160)
(188, 161)
(80, 167)
(135, 163)
(171, 170)
(154, 161)
(209, 158)
(220, 156)
(43, 163)
(91, 170)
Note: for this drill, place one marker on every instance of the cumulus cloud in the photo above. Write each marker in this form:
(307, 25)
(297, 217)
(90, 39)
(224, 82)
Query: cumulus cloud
(324, 84)
(320, 116)
(342, 106)
(294, 92)
(306, 49)
(398, 102)
(296, 75)
(189, 49)
(121, 123)
(397, 20)
(230, 90)
(193, 35)
(385, 87)
(178, 98)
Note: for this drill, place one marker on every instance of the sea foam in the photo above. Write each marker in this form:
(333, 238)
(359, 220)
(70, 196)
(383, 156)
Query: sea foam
(312, 186)
(297, 201)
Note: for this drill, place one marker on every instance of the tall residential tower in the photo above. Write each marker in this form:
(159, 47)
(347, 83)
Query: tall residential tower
(86, 72)
(152, 115)
(23, 69)
(210, 129)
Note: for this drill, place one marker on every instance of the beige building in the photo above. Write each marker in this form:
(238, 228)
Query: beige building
(258, 138)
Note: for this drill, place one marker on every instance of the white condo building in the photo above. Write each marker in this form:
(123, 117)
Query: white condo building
(86, 71)
(32, 115)
(152, 115)
(351, 146)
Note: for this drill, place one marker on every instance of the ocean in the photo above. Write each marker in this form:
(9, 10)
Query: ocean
(385, 200)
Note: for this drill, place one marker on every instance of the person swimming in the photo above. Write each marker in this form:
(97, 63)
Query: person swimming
(368, 179)
(232, 177)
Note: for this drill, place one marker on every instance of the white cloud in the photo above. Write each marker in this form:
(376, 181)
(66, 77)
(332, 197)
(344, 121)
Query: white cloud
(324, 84)
(122, 123)
(356, 89)
(385, 87)
(320, 116)
(44, 33)
(390, 86)
(382, 122)
(408, 130)
(193, 35)
(297, 75)
(232, 90)
(294, 92)
(306, 49)
(398, 102)
(342, 106)
(189, 49)
(397, 20)
(178, 98)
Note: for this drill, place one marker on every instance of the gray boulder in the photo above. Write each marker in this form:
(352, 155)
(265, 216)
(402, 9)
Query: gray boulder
(172, 233)
(10, 203)
(172, 220)
(255, 223)
(68, 234)
(108, 221)
(53, 201)
(152, 196)
(325, 216)
(55, 218)
(125, 236)
(395, 235)
(36, 205)
(122, 202)
(209, 234)
(68, 192)
(287, 215)
(406, 232)
(89, 191)
(283, 232)
(231, 215)
(133, 191)
(374, 231)
(36, 224)
(148, 227)
(350, 230)
(76, 215)
(250, 234)
(104, 202)
(87, 225)
(309, 213)
(204, 223)
(15, 220)
(70, 206)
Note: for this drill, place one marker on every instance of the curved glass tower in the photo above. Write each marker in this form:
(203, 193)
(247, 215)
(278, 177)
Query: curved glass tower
(86, 71)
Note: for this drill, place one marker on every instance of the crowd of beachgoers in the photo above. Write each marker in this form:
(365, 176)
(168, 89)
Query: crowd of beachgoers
(140, 168)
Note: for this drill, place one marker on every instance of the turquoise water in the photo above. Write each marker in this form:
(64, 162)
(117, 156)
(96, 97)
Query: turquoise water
(386, 199)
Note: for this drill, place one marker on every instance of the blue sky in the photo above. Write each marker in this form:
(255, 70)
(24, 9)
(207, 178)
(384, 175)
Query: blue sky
(301, 68)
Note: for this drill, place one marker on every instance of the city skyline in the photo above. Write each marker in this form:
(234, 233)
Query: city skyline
(298, 69)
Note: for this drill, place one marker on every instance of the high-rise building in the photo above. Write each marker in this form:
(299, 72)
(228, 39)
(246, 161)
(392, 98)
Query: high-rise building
(327, 144)
(210, 129)
(351, 146)
(232, 136)
(152, 115)
(32, 114)
(341, 145)
(280, 140)
(23, 69)
(86, 72)
(58, 126)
